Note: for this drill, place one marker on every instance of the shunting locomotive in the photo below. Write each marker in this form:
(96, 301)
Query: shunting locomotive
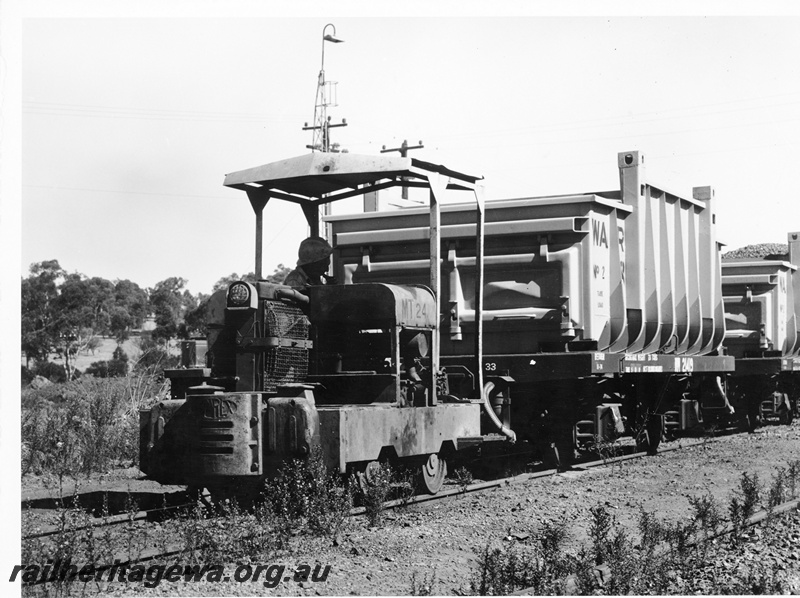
(353, 370)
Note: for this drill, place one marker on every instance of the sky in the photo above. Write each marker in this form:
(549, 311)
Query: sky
(129, 124)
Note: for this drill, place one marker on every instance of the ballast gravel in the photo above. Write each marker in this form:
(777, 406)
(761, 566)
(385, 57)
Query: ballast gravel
(433, 547)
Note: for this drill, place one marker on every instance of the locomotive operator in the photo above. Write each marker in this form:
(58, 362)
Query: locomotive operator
(314, 259)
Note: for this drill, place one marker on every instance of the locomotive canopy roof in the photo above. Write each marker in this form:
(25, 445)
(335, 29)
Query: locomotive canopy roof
(320, 178)
(325, 177)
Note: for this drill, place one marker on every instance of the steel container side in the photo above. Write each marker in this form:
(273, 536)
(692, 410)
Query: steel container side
(673, 281)
(552, 268)
(634, 271)
(762, 306)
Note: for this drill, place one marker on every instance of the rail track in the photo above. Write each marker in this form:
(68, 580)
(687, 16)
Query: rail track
(173, 550)
(150, 514)
(157, 513)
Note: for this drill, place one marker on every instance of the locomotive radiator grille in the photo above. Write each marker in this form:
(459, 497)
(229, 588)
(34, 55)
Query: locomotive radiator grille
(216, 435)
(213, 433)
(225, 435)
(285, 363)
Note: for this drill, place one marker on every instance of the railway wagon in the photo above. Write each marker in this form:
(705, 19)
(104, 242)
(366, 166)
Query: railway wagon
(602, 312)
(324, 368)
(762, 314)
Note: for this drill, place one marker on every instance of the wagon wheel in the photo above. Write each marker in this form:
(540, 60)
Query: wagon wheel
(433, 472)
(785, 415)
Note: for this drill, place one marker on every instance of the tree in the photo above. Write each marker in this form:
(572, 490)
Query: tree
(38, 293)
(224, 282)
(87, 302)
(170, 302)
(152, 357)
(121, 324)
(117, 366)
(62, 312)
(129, 311)
(83, 305)
(279, 274)
(196, 319)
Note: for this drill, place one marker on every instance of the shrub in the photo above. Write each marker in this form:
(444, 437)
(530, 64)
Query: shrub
(306, 495)
(86, 425)
(463, 478)
(26, 376)
(153, 357)
(742, 505)
(541, 565)
(670, 558)
(706, 512)
(423, 586)
(502, 571)
(792, 476)
(599, 533)
(113, 368)
(232, 534)
(405, 485)
(375, 493)
(777, 491)
(78, 538)
(52, 371)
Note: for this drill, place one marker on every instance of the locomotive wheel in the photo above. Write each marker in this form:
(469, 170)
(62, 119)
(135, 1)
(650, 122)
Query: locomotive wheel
(197, 497)
(245, 495)
(433, 472)
(367, 475)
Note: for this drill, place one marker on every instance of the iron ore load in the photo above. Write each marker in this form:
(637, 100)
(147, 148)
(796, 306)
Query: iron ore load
(563, 321)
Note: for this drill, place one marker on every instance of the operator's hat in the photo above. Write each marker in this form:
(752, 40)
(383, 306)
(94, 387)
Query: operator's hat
(313, 249)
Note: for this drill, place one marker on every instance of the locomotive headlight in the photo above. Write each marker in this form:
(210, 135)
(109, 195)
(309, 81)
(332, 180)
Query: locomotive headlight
(239, 294)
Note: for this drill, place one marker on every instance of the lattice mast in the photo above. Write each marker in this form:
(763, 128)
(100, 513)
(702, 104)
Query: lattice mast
(326, 97)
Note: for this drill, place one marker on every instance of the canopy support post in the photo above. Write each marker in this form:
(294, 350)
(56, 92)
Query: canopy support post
(258, 201)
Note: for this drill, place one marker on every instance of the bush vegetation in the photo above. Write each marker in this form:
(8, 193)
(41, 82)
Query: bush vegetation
(668, 558)
(85, 426)
(306, 500)
(305, 496)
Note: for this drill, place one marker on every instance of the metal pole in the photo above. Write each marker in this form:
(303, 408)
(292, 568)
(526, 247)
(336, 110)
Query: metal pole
(437, 186)
(479, 226)
(258, 202)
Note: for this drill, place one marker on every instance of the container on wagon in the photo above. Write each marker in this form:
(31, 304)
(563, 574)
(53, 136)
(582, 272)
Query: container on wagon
(628, 272)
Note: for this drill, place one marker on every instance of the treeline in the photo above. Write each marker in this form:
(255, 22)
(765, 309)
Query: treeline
(64, 313)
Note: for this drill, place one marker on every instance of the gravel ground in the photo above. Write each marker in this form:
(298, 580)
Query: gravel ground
(440, 541)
